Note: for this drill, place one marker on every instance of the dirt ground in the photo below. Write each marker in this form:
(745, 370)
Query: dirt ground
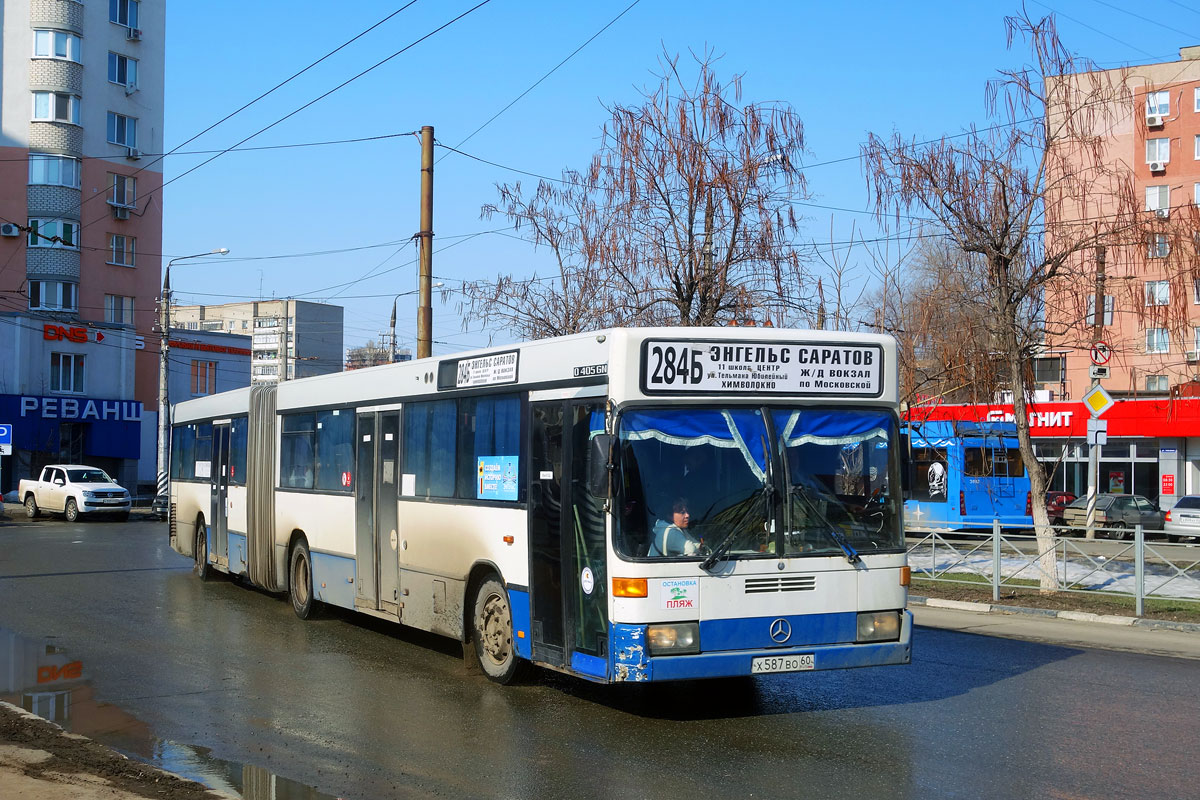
(1167, 610)
(40, 760)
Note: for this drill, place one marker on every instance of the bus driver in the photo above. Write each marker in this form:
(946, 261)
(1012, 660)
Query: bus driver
(673, 538)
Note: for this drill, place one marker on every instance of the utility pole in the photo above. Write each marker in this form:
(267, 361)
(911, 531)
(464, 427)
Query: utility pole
(425, 237)
(283, 350)
(1093, 448)
(164, 430)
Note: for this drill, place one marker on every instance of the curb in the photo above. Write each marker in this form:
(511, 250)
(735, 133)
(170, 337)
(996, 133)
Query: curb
(1074, 616)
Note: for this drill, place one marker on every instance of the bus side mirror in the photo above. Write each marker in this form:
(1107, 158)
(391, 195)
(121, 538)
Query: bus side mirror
(599, 456)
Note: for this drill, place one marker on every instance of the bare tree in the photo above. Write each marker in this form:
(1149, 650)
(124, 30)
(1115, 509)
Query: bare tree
(1009, 197)
(684, 217)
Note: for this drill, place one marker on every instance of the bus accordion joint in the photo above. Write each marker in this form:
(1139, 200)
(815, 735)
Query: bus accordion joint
(905, 575)
(629, 587)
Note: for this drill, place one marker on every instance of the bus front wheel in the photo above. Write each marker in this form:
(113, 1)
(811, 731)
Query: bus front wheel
(492, 632)
(300, 584)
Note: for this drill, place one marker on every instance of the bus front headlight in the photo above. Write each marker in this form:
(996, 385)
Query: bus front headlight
(878, 626)
(675, 639)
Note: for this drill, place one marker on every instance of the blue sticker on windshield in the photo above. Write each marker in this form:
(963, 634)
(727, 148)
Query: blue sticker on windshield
(498, 478)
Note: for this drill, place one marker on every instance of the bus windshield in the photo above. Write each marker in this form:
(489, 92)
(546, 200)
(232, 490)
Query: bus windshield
(757, 482)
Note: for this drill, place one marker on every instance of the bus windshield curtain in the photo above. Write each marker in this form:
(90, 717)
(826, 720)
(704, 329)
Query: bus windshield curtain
(834, 427)
(742, 429)
(260, 488)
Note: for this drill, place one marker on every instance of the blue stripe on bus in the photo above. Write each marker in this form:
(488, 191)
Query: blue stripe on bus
(628, 652)
(755, 632)
(237, 553)
(333, 579)
(518, 604)
(589, 665)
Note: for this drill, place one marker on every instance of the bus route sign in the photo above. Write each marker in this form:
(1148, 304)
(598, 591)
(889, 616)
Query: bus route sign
(729, 367)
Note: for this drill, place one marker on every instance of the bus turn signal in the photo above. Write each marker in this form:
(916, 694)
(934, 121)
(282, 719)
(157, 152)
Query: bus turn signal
(905, 575)
(629, 587)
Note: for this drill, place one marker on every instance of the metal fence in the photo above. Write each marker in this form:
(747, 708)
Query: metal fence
(1139, 568)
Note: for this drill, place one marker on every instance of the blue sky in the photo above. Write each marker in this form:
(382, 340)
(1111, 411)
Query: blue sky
(848, 68)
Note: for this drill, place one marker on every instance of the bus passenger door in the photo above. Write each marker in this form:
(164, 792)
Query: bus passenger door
(219, 484)
(376, 523)
(567, 574)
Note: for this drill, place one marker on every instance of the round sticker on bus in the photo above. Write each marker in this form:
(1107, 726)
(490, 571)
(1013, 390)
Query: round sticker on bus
(346, 479)
(587, 580)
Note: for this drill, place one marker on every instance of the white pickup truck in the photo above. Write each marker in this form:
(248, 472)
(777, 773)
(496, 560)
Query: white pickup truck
(74, 489)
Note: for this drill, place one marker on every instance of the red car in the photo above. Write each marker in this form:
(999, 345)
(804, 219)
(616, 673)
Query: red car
(1055, 503)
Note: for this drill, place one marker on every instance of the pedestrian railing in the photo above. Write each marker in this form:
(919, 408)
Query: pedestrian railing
(1138, 568)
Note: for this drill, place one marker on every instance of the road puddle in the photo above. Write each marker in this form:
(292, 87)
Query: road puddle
(45, 680)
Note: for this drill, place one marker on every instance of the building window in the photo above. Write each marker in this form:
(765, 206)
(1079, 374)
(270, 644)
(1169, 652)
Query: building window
(265, 371)
(204, 377)
(121, 249)
(48, 170)
(1156, 383)
(53, 296)
(1109, 304)
(123, 12)
(1159, 247)
(1158, 197)
(266, 322)
(118, 309)
(1048, 369)
(1196, 339)
(266, 338)
(66, 372)
(1158, 104)
(1158, 150)
(122, 190)
(56, 44)
(122, 130)
(1158, 293)
(1156, 340)
(122, 70)
(56, 107)
(54, 233)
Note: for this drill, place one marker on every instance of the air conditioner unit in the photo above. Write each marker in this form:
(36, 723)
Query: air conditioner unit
(135, 34)
(1193, 355)
(1155, 121)
(1158, 166)
(120, 212)
(9, 229)
(130, 88)
(132, 153)
(1162, 213)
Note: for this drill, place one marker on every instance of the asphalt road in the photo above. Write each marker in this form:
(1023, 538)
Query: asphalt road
(224, 683)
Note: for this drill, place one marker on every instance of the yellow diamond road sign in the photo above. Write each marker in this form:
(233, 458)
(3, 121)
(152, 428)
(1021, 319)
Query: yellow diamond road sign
(1098, 401)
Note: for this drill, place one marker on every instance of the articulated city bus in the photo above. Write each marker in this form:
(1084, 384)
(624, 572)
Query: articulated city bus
(627, 505)
(965, 475)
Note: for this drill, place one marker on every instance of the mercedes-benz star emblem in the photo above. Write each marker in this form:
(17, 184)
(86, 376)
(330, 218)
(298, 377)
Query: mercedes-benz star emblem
(781, 630)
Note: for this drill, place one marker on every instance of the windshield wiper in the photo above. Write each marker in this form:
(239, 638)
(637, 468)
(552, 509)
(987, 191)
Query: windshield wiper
(828, 527)
(735, 529)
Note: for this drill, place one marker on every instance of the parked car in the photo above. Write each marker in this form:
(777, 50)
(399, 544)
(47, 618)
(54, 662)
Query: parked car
(159, 507)
(1055, 503)
(72, 490)
(1183, 519)
(1119, 513)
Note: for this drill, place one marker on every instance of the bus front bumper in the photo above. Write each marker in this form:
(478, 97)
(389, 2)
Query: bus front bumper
(633, 663)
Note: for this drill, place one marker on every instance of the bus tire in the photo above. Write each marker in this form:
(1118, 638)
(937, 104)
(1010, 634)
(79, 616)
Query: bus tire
(300, 582)
(492, 632)
(71, 511)
(201, 568)
(31, 508)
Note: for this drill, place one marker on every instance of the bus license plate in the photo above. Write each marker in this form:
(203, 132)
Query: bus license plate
(798, 663)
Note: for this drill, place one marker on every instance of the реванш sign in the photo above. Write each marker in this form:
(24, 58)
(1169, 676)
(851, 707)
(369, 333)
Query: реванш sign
(800, 368)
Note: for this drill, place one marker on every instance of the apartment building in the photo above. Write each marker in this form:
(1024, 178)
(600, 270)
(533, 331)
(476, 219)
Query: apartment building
(313, 334)
(1151, 308)
(81, 101)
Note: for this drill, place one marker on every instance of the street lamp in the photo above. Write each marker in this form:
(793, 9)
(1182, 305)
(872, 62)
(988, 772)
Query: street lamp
(164, 321)
(392, 354)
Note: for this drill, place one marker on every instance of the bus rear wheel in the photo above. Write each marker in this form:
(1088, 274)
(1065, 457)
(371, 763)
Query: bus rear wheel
(492, 632)
(200, 551)
(300, 583)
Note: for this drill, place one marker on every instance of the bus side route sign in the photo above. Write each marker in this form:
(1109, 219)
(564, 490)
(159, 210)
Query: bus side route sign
(798, 368)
